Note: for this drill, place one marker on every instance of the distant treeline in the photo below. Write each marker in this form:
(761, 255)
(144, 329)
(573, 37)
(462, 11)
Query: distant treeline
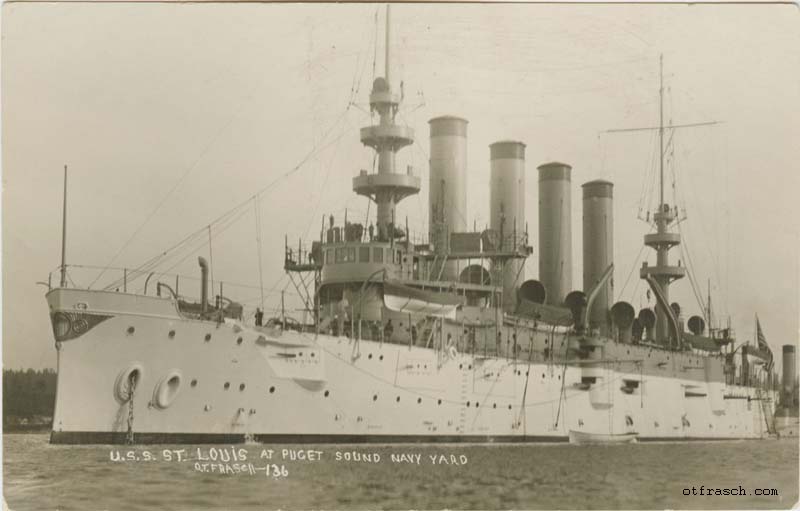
(28, 396)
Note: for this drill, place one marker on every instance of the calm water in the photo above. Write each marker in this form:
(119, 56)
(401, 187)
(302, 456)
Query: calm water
(40, 476)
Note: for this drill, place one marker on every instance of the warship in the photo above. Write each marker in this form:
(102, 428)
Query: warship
(434, 339)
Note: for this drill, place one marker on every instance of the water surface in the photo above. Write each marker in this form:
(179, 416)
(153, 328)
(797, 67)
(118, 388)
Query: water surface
(39, 476)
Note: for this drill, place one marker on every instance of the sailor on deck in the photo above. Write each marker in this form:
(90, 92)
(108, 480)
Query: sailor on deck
(388, 330)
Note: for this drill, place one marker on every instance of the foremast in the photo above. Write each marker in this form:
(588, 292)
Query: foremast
(386, 187)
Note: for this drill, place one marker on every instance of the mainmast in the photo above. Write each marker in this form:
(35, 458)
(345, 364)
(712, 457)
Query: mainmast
(662, 240)
(661, 129)
(386, 187)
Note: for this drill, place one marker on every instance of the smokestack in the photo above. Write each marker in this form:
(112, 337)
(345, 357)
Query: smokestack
(555, 231)
(203, 283)
(507, 210)
(598, 247)
(447, 202)
(789, 374)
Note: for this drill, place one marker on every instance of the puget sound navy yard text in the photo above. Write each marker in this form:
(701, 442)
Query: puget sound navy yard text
(273, 462)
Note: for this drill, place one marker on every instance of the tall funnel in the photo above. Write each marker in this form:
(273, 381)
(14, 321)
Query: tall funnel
(598, 247)
(448, 185)
(507, 210)
(789, 374)
(555, 231)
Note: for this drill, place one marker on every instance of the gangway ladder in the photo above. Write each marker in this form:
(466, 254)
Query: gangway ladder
(769, 420)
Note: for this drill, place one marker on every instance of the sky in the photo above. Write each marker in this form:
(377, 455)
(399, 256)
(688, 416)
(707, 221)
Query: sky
(170, 115)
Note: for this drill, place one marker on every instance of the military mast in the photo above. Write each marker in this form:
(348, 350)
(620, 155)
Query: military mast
(660, 276)
(386, 187)
(662, 240)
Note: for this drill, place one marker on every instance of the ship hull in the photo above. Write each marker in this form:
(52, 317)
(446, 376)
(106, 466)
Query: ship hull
(223, 382)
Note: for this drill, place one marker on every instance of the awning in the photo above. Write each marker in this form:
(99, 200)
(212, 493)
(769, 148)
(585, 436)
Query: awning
(410, 300)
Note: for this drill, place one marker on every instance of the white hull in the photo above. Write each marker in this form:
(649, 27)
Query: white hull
(298, 387)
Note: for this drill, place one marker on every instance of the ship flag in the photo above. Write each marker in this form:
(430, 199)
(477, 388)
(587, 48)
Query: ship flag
(762, 344)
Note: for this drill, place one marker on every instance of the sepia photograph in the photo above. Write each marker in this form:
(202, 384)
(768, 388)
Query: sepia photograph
(389, 256)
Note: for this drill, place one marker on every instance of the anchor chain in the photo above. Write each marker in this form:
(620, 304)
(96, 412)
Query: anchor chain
(132, 388)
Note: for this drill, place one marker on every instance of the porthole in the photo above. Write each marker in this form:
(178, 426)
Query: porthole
(398, 399)
(171, 334)
(370, 356)
(131, 330)
(239, 340)
(509, 407)
(227, 385)
(467, 404)
(327, 393)
(375, 397)
(380, 358)
(494, 406)
(241, 387)
(312, 354)
(542, 375)
(419, 400)
(461, 366)
(440, 402)
(477, 405)
(271, 390)
(194, 383)
(208, 337)
(469, 366)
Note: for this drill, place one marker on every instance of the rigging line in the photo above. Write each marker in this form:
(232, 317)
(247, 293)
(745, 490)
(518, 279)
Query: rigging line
(234, 209)
(144, 269)
(210, 259)
(375, 54)
(312, 220)
(185, 174)
(690, 268)
(222, 229)
(633, 268)
(189, 254)
(258, 243)
(154, 261)
(363, 68)
(698, 213)
(645, 193)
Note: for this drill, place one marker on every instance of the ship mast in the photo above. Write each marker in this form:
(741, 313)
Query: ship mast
(386, 187)
(662, 240)
(662, 274)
